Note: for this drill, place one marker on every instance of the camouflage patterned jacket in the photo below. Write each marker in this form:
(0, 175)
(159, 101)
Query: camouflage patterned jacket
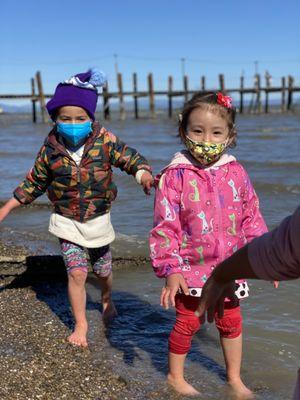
(85, 191)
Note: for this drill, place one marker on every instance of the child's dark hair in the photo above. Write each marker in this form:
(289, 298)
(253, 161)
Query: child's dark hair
(208, 102)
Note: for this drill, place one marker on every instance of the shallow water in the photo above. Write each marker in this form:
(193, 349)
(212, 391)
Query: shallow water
(137, 340)
(269, 147)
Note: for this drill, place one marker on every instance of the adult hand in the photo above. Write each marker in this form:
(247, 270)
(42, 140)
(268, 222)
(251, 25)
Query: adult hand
(168, 293)
(147, 182)
(213, 296)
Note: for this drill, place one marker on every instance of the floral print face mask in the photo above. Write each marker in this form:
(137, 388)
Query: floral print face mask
(205, 152)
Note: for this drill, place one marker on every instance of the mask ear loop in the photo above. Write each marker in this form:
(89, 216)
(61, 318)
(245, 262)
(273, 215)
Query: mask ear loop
(230, 139)
(226, 143)
(191, 140)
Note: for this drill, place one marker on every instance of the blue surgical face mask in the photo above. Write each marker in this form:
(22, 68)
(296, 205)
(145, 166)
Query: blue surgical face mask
(74, 133)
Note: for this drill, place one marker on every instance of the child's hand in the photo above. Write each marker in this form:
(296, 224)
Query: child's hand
(147, 181)
(4, 211)
(8, 206)
(173, 283)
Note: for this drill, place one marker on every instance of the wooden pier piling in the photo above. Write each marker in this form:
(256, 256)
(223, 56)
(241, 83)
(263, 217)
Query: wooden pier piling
(33, 100)
(221, 83)
(105, 95)
(121, 97)
(242, 95)
(170, 90)
(41, 97)
(268, 85)
(257, 106)
(283, 89)
(285, 92)
(151, 95)
(186, 87)
(135, 96)
(290, 92)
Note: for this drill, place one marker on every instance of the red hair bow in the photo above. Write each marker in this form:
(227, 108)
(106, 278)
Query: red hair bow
(225, 101)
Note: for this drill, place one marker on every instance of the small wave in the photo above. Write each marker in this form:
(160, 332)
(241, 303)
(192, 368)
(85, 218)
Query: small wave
(130, 238)
(25, 234)
(277, 129)
(277, 188)
(286, 164)
(15, 154)
(262, 137)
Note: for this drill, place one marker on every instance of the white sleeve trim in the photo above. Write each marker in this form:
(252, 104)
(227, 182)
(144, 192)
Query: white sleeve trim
(138, 176)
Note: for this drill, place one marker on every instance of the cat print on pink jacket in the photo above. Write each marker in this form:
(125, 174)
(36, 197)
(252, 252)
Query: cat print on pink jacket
(201, 217)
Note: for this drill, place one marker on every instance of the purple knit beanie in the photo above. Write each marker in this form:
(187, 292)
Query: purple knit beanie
(80, 90)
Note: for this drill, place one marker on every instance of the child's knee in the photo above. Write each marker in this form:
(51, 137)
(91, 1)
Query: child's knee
(182, 334)
(78, 275)
(230, 325)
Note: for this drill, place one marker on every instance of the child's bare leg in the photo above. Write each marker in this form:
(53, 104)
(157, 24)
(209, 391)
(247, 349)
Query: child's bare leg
(232, 350)
(176, 375)
(186, 325)
(102, 266)
(77, 297)
(109, 310)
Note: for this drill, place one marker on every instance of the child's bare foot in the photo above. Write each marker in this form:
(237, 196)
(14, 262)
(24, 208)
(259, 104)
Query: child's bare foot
(181, 386)
(109, 311)
(239, 390)
(78, 337)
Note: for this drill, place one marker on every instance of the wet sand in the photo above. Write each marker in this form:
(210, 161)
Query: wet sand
(36, 362)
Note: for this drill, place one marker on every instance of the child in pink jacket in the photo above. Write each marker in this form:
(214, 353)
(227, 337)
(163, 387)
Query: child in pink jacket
(205, 210)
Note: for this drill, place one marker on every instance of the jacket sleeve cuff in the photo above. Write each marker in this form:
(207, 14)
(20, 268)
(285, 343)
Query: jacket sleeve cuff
(20, 196)
(139, 174)
(142, 166)
(174, 270)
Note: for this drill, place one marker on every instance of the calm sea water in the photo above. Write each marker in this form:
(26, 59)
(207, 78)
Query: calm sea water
(269, 148)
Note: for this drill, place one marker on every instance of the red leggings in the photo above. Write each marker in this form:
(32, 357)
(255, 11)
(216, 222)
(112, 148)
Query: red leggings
(187, 324)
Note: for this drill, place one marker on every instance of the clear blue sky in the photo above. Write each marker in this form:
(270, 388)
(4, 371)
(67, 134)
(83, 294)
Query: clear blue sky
(65, 37)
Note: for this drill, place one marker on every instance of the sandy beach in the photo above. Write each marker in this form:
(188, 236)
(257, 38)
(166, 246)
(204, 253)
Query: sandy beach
(36, 362)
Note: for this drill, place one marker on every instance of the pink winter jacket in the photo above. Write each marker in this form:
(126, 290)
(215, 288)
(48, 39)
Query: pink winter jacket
(201, 216)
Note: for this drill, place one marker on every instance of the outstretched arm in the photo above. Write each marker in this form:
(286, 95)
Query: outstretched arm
(37, 180)
(124, 157)
(166, 237)
(8, 207)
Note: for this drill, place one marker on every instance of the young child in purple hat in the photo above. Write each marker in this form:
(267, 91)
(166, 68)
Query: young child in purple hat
(74, 166)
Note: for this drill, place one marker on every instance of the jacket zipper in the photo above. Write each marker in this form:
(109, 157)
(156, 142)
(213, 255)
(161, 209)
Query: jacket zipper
(81, 210)
(79, 185)
(220, 224)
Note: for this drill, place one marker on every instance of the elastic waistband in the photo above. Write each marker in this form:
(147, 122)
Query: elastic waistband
(241, 292)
